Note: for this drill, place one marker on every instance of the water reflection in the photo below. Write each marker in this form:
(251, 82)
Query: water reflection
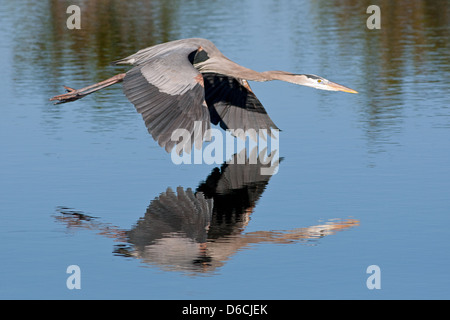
(197, 232)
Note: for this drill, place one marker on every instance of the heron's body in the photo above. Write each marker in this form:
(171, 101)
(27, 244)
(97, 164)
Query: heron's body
(177, 83)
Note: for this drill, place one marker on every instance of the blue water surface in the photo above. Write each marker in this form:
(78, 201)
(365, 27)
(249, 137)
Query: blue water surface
(364, 180)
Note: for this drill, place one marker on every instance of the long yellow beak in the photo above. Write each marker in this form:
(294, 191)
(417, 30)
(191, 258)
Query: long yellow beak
(338, 87)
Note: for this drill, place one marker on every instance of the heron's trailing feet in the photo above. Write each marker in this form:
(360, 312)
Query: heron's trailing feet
(75, 94)
(71, 95)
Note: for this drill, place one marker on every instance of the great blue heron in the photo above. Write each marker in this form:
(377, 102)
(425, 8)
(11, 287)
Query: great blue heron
(177, 83)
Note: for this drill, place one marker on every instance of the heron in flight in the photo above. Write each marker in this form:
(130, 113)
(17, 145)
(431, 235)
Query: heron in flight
(175, 84)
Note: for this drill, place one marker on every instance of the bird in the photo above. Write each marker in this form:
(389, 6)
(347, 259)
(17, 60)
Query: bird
(176, 84)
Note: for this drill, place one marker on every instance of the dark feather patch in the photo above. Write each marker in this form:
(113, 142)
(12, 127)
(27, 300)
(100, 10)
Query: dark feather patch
(233, 106)
(198, 56)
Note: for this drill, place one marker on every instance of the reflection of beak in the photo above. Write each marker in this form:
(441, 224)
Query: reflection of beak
(337, 87)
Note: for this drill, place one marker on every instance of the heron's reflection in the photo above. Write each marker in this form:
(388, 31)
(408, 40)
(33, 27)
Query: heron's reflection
(199, 231)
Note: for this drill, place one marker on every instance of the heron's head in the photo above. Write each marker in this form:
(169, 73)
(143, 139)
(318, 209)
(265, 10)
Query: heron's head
(317, 82)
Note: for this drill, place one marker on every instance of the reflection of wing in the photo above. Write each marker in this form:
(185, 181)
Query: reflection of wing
(168, 91)
(237, 181)
(233, 105)
(235, 189)
(172, 231)
(173, 214)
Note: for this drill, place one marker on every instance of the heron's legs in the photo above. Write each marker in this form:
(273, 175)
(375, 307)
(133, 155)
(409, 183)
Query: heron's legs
(74, 94)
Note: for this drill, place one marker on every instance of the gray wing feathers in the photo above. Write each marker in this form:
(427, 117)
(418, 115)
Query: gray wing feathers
(167, 91)
(159, 50)
(171, 93)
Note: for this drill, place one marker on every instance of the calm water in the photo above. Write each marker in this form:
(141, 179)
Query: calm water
(365, 179)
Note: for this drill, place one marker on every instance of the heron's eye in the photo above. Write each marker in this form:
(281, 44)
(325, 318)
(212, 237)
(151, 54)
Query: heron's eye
(319, 81)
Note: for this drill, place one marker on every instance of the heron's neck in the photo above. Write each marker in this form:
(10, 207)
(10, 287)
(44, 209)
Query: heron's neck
(252, 75)
(232, 69)
(280, 75)
(235, 70)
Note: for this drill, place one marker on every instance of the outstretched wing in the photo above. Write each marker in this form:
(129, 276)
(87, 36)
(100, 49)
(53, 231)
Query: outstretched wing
(169, 93)
(233, 105)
